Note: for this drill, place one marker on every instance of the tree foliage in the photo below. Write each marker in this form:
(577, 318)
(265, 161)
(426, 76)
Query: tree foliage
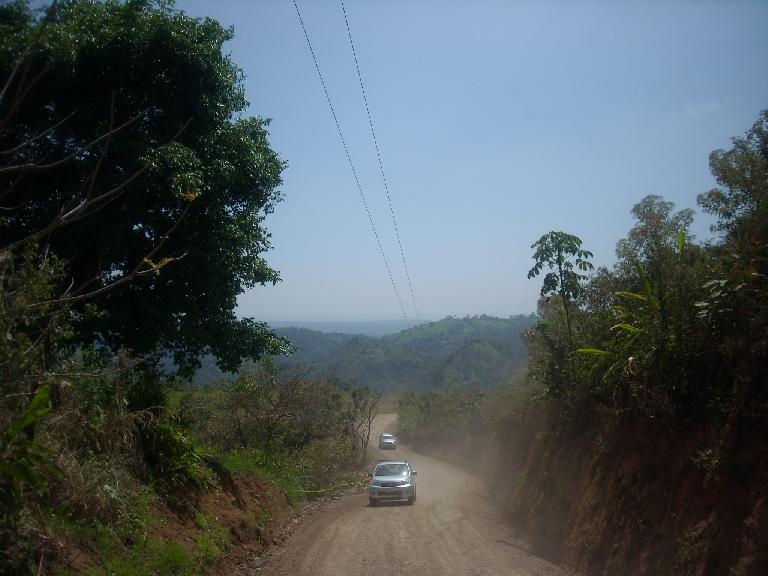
(741, 200)
(638, 325)
(656, 232)
(675, 328)
(563, 255)
(132, 202)
(125, 149)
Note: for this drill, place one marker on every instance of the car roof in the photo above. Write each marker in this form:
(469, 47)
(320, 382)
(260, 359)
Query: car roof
(391, 462)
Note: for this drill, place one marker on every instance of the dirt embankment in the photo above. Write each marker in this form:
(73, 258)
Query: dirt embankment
(254, 512)
(616, 496)
(637, 498)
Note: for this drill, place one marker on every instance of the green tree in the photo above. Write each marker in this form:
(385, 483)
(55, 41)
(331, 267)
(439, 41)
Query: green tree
(737, 300)
(563, 255)
(741, 200)
(262, 403)
(658, 241)
(643, 325)
(656, 232)
(124, 150)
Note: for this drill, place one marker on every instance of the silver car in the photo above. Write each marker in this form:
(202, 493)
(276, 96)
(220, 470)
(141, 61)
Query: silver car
(392, 480)
(387, 441)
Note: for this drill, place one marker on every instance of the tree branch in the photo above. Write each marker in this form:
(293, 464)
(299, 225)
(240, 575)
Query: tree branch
(137, 272)
(26, 58)
(67, 158)
(88, 206)
(38, 136)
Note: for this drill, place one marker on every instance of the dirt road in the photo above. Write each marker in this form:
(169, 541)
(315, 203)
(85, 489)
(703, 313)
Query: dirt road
(450, 531)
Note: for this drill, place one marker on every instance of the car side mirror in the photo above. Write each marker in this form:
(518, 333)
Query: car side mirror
(414, 473)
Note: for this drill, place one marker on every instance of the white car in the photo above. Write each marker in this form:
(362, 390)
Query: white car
(392, 480)
(387, 441)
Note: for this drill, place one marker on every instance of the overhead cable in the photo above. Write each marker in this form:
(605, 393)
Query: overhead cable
(351, 164)
(381, 164)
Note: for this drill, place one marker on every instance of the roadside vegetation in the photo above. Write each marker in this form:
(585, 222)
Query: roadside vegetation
(636, 442)
(134, 195)
(308, 436)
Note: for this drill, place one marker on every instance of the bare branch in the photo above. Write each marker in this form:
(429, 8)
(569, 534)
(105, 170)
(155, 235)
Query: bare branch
(107, 142)
(14, 183)
(67, 158)
(104, 289)
(23, 91)
(87, 206)
(137, 272)
(26, 58)
(13, 73)
(12, 208)
(38, 136)
(97, 374)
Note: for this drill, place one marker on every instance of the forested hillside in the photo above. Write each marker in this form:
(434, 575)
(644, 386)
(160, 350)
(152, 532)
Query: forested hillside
(479, 351)
(366, 327)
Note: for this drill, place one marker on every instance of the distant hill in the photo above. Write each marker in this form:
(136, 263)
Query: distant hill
(481, 351)
(364, 327)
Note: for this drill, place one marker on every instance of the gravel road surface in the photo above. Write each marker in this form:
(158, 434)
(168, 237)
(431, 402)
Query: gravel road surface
(450, 531)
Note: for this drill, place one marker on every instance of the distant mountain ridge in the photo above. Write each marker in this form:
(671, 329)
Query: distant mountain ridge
(363, 327)
(478, 351)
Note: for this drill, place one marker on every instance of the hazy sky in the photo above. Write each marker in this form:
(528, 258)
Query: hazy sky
(497, 122)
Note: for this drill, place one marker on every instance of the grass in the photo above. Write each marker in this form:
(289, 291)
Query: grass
(92, 535)
(152, 558)
(278, 468)
(242, 461)
(214, 540)
(318, 468)
(144, 557)
(206, 549)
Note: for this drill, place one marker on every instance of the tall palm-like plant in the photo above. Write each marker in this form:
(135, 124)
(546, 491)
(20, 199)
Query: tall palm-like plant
(563, 255)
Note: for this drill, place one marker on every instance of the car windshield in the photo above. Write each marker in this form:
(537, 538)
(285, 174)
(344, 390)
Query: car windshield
(387, 437)
(391, 470)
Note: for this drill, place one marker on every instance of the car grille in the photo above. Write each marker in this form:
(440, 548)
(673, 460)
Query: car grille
(390, 484)
(398, 493)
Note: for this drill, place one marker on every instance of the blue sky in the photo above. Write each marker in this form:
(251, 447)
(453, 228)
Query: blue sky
(497, 122)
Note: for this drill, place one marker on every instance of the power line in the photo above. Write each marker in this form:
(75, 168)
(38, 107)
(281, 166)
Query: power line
(351, 164)
(381, 164)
